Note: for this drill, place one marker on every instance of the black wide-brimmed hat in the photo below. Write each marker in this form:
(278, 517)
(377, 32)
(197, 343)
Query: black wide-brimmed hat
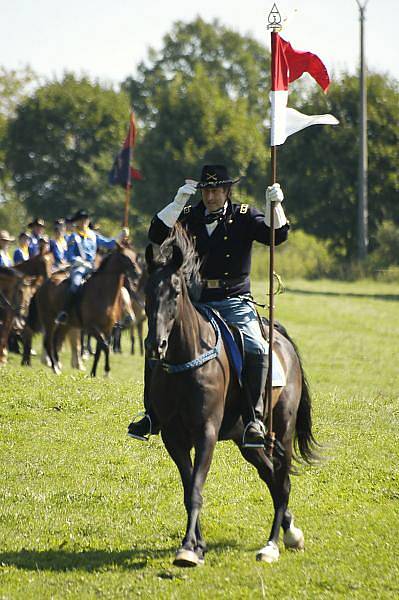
(215, 176)
(38, 221)
(59, 223)
(80, 214)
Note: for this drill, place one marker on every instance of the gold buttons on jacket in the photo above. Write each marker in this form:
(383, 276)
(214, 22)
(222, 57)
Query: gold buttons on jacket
(227, 255)
(226, 273)
(226, 237)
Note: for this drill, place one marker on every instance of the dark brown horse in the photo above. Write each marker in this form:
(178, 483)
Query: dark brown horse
(96, 310)
(17, 286)
(201, 405)
(11, 286)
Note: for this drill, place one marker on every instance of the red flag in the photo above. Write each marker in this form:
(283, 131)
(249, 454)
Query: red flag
(287, 66)
(290, 64)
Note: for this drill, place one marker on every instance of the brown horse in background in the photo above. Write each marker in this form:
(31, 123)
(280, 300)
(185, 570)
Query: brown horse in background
(17, 286)
(11, 283)
(96, 309)
(202, 403)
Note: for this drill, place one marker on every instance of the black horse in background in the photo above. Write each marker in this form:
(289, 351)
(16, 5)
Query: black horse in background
(201, 405)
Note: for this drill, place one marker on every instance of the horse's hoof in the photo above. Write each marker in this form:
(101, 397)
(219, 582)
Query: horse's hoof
(293, 538)
(270, 553)
(186, 558)
(57, 370)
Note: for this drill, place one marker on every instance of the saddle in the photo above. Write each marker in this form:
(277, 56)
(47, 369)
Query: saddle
(234, 344)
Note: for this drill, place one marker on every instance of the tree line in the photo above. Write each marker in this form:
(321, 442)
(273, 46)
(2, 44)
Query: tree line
(202, 98)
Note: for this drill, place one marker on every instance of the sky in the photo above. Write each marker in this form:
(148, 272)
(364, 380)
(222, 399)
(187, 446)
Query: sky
(106, 39)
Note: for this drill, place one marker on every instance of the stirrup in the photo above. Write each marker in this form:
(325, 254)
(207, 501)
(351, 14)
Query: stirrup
(135, 436)
(260, 444)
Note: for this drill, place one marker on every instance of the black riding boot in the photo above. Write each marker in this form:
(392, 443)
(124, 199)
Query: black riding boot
(148, 425)
(63, 315)
(254, 380)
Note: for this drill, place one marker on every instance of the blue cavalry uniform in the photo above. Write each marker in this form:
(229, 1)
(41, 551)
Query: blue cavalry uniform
(21, 255)
(37, 230)
(223, 239)
(81, 253)
(59, 250)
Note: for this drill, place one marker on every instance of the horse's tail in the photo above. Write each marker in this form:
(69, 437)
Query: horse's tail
(305, 443)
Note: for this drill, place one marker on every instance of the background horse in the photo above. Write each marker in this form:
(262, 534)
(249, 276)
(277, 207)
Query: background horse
(11, 285)
(198, 406)
(96, 308)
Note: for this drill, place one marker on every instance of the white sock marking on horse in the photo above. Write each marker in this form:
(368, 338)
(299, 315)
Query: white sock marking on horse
(270, 553)
(293, 538)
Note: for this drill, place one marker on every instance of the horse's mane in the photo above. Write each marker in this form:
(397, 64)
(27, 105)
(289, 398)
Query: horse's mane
(190, 268)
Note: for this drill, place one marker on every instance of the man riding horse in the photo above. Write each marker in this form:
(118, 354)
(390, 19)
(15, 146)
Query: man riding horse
(81, 254)
(223, 233)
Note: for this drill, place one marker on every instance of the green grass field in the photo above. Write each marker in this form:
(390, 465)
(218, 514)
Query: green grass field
(87, 513)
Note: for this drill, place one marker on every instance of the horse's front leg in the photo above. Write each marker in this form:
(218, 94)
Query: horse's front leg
(193, 547)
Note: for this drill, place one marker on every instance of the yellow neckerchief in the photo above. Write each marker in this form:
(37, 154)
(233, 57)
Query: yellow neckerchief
(25, 250)
(60, 239)
(85, 233)
(5, 253)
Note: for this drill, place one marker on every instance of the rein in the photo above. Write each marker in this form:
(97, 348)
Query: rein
(200, 360)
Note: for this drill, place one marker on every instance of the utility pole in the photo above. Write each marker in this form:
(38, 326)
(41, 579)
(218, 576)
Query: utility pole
(363, 158)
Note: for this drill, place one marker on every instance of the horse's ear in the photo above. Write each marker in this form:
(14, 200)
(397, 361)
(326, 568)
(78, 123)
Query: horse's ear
(149, 256)
(177, 257)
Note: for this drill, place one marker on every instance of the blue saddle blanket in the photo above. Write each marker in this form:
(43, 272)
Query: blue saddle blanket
(234, 352)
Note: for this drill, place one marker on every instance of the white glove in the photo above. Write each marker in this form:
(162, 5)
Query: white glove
(123, 235)
(171, 212)
(184, 192)
(274, 194)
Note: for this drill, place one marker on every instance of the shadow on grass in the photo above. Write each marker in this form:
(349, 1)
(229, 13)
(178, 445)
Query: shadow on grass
(92, 560)
(388, 297)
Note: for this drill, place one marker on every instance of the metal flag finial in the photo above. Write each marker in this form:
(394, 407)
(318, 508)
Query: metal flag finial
(274, 19)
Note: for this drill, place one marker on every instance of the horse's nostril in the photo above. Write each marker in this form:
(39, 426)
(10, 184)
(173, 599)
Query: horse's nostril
(163, 344)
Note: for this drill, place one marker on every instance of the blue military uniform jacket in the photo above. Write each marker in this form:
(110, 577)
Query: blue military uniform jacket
(226, 253)
(59, 250)
(20, 255)
(84, 244)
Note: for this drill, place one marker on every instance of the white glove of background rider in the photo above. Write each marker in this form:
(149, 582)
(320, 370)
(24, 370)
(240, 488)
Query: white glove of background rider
(275, 194)
(171, 212)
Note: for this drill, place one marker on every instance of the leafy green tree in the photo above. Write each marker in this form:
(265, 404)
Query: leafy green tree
(14, 87)
(237, 64)
(203, 97)
(195, 124)
(319, 166)
(61, 145)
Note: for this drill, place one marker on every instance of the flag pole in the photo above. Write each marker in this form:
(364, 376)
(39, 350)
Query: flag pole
(128, 188)
(274, 20)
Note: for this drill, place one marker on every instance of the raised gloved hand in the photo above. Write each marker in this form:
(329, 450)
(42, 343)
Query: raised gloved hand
(184, 192)
(274, 194)
(171, 212)
(123, 236)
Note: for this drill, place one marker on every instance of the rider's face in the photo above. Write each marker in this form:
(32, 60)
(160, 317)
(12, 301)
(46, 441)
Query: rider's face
(82, 223)
(214, 198)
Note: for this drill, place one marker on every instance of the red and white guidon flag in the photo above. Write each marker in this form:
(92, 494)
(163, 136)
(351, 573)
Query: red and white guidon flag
(287, 65)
